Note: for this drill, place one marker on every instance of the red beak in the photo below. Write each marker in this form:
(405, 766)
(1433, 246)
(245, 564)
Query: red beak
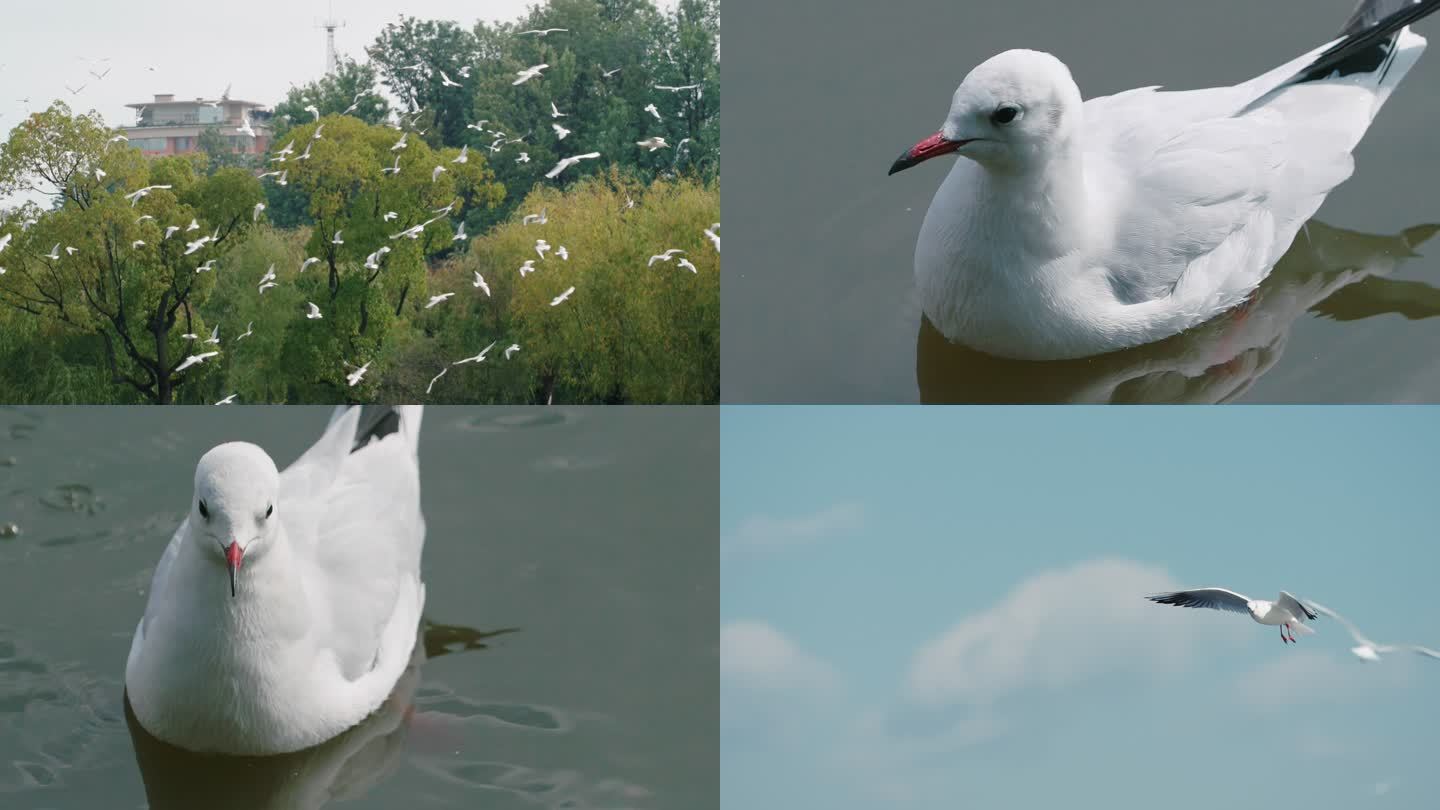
(933, 146)
(234, 555)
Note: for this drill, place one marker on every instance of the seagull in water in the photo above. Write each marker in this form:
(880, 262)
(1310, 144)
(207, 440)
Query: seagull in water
(1287, 611)
(307, 578)
(1366, 649)
(1126, 219)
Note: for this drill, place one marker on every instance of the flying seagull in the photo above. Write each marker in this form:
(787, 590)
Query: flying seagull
(314, 313)
(194, 360)
(1287, 611)
(1366, 649)
(528, 73)
(542, 31)
(652, 143)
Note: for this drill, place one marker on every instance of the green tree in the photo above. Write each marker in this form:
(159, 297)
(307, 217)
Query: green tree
(100, 265)
(412, 54)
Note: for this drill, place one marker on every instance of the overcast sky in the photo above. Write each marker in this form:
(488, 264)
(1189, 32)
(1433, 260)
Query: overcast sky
(943, 608)
(259, 46)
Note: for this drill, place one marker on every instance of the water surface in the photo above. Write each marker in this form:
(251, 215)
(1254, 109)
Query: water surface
(570, 655)
(818, 302)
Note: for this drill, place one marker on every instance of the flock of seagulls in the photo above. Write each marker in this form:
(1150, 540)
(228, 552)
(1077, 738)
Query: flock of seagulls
(1287, 613)
(280, 176)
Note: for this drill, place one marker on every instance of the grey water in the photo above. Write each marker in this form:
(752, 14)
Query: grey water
(569, 658)
(818, 304)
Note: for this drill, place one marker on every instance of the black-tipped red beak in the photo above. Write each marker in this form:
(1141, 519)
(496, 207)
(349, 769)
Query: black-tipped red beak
(933, 146)
(234, 555)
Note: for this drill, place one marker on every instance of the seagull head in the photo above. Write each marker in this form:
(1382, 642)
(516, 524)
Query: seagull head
(1011, 112)
(233, 512)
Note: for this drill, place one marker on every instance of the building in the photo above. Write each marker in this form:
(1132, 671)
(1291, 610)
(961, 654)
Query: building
(169, 127)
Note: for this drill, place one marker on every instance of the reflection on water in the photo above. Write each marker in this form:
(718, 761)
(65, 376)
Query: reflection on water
(343, 768)
(1334, 273)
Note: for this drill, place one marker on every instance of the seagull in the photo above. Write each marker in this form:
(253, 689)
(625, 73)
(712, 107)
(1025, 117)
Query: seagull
(193, 226)
(538, 219)
(191, 247)
(562, 253)
(561, 297)
(306, 154)
(652, 143)
(435, 175)
(400, 144)
(267, 285)
(436, 378)
(479, 358)
(410, 233)
(435, 299)
(74, 91)
(464, 156)
(137, 244)
(541, 31)
(480, 282)
(308, 578)
(688, 265)
(555, 111)
(1368, 650)
(354, 377)
(514, 347)
(664, 257)
(541, 246)
(446, 82)
(314, 313)
(249, 327)
(209, 265)
(650, 108)
(566, 163)
(527, 267)
(605, 74)
(194, 360)
(289, 149)
(117, 139)
(5, 240)
(99, 174)
(1287, 611)
(54, 254)
(319, 129)
(713, 236)
(392, 169)
(1160, 210)
(560, 132)
(390, 215)
(230, 400)
(259, 207)
(309, 261)
(190, 336)
(71, 251)
(418, 66)
(100, 75)
(214, 338)
(170, 231)
(336, 240)
(313, 110)
(528, 73)
(524, 158)
(245, 128)
(135, 196)
(447, 208)
(283, 179)
(143, 218)
(460, 233)
(677, 89)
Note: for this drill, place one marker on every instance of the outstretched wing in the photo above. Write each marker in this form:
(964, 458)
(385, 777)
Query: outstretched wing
(1295, 607)
(1213, 598)
(1354, 631)
(1427, 652)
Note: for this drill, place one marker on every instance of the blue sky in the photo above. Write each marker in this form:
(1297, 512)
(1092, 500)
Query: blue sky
(943, 607)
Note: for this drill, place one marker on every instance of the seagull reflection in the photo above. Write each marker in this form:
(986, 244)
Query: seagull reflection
(1331, 272)
(342, 768)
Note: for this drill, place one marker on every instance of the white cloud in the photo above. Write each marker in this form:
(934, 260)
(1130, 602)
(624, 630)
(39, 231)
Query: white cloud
(755, 655)
(763, 533)
(1054, 629)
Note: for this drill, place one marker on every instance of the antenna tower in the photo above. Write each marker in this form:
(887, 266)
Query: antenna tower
(330, 24)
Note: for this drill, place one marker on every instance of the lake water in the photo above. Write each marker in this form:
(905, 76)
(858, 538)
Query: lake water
(572, 581)
(818, 303)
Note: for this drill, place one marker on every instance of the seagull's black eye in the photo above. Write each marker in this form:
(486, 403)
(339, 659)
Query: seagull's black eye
(204, 511)
(1004, 114)
(269, 510)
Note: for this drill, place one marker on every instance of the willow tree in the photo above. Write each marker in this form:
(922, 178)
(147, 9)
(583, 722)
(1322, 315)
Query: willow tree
(100, 264)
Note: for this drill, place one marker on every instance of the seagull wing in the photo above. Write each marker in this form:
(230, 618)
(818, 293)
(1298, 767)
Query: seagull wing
(1354, 631)
(1425, 651)
(1212, 598)
(1295, 607)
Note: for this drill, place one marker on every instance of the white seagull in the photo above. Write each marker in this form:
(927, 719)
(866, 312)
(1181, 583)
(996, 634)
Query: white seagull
(249, 330)
(527, 267)
(460, 234)
(566, 163)
(194, 360)
(555, 111)
(710, 233)
(436, 378)
(1287, 611)
(230, 400)
(446, 82)
(1366, 649)
(464, 156)
(134, 196)
(563, 253)
(559, 299)
(688, 265)
(560, 132)
(354, 377)
(538, 219)
(652, 143)
(391, 169)
(650, 108)
(664, 257)
(480, 282)
(435, 175)
(314, 313)
(541, 246)
(214, 338)
(541, 31)
(436, 299)
(286, 606)
(308, 262)
(514, 347)
(1129, 218)
(528, 73)
(479, 358)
